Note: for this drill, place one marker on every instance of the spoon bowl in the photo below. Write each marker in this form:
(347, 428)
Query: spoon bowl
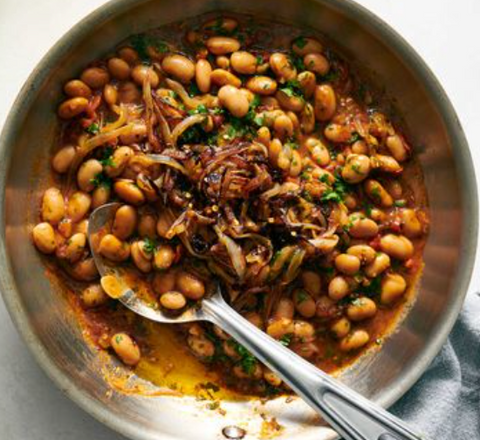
(99, 220)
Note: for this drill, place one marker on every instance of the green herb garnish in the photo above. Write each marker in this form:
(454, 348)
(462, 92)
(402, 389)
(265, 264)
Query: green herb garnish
(297, 61)
(368, 208)
(106, 157)
(372, 289)
(354, 138)
(356, 169)
(330, 195)
(330, 76)
(247, 360)
(291, 143)
(93, 128)
(200, 110)
(302, 296)
(286, 339)
(375, 193)
(193, 90)
(326, 270)
(292, 89)
(255, 102)
(218, 111)
(337, 192)
(142, 42)
(300, 42)
(101, 179)
(218, 28)
(149, 245)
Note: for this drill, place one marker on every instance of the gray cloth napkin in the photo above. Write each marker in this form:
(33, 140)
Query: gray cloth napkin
(445, 403)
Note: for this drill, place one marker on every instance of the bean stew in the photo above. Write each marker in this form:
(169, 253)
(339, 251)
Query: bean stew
(248, 153)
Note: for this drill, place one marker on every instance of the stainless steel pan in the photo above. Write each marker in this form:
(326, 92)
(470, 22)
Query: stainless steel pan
(42, 313)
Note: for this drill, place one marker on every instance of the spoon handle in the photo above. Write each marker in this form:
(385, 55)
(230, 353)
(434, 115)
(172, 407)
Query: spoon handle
(350, 414)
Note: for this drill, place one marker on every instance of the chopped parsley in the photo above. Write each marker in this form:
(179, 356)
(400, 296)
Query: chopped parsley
(106, 157)
(356, 169)
(337, 192)
(354, 138)
(286, 339)
(93, 128)
(149, 245)
(330, 195)
(193, 90)
(246, 126)
(375, 193)
(351, 220)
(300, 42)
(292, 144)
(259, 59)
(247, 360)
(302, 296)
(255, 102)
(142, 42)
(218, 29)
(305, 175)
(297, 61)
(372, 289)
(195, 135)
(101, 179)
(326, 270)
(368, 208)
(200, 110)
(330, 76)
(292, 89)
(259, 120)
(218, 111)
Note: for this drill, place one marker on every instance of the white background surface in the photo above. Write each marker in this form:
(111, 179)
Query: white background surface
(446, 33)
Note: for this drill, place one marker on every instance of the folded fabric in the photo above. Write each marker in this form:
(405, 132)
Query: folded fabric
(445, 403)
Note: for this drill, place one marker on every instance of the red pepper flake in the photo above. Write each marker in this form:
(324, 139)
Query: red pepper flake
(179, 250)
(93, 104)
(86, 122)
(375, 243)
(411, 265)
(396, 227)
(218, 120)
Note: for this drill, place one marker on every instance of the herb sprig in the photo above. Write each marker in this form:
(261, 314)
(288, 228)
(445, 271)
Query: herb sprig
(337, 192)
(247, 361)
(142, 42)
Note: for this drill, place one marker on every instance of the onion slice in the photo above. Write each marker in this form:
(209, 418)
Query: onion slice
(168, 161)
(278, 190)
(324, 244)
(85, 147)
(121, 120)
(294, 266)
(147, 98)
(164, 127)
(185, 125)
(234, 251)
(190, 103)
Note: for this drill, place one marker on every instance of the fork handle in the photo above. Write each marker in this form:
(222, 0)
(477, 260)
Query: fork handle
(350, 414)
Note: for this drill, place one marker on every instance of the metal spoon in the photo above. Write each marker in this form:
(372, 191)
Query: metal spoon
(353, 416)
